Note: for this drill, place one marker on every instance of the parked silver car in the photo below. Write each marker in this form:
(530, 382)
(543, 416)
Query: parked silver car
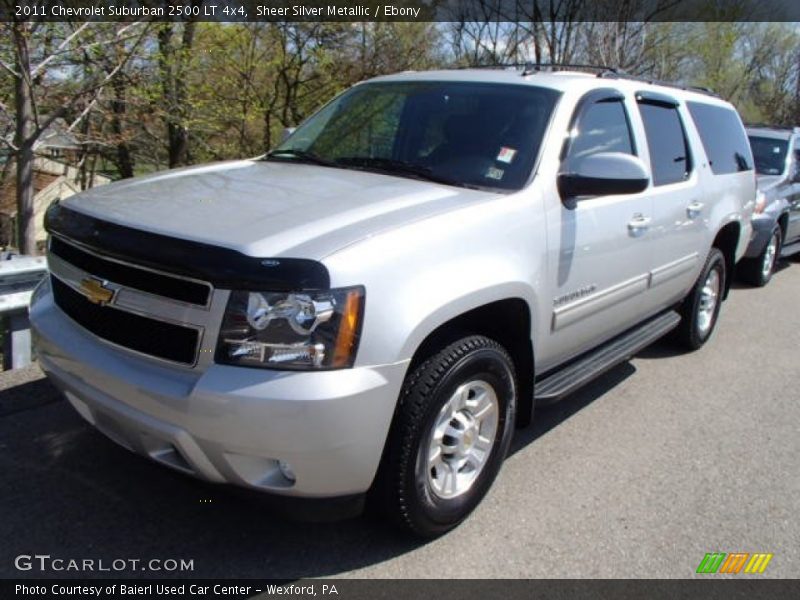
(376, 303)
(776, 222)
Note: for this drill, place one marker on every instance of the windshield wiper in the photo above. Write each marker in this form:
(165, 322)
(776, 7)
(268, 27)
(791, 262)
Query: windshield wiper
(301, 156)
(397, 167)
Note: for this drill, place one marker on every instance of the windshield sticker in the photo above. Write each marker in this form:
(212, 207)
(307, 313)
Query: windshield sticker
(506, 155)
(495, 173)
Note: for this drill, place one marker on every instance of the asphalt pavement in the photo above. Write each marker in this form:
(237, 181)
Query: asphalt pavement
(662, 460)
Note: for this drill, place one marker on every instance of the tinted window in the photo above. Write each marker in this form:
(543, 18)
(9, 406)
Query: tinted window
(769, 154)
(666, 140)
(602, 127)
(457, 133)
(723, 138)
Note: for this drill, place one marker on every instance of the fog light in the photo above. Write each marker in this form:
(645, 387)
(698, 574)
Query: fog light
(286, 470)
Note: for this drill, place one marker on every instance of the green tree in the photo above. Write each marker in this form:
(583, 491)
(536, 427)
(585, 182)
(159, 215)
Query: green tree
(48, 85)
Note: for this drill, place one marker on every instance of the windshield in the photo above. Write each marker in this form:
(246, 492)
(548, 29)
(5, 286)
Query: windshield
(464, 134)
(769, 154)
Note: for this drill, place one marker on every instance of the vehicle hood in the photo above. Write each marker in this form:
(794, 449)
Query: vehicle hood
(767, 182)
(263, 208)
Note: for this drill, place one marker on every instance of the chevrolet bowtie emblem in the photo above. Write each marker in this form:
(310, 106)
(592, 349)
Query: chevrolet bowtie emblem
(95, 291)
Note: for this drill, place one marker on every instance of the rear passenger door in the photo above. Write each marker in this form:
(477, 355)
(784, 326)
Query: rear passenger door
(678, 204)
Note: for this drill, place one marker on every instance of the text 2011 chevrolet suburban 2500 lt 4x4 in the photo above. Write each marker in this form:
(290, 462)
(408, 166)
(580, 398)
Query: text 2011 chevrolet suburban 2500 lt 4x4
(376, 303)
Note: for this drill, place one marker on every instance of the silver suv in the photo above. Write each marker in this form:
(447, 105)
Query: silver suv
(776, 222)
(376, 303)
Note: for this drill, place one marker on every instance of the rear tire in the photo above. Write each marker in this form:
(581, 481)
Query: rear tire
(700, 309)
(757, 271)
(451, 433)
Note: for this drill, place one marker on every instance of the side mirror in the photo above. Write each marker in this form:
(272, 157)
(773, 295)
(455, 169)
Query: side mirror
(287, 131)
(601, 174)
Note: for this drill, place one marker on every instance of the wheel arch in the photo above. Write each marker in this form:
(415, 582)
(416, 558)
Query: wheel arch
(507, 321)
(726, 240)
(783, 223)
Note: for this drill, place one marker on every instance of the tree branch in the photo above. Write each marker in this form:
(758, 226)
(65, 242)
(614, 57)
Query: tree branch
(8, 68)
(10, 144)
(64, 43)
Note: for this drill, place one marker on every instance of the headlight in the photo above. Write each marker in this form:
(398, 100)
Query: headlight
(292, 330)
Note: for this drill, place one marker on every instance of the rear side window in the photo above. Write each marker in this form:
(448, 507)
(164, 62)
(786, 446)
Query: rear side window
(602, 127)
(666, 139)
(769, 154)
(723, 138)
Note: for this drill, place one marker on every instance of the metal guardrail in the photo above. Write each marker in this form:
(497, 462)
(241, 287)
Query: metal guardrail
(19, 275)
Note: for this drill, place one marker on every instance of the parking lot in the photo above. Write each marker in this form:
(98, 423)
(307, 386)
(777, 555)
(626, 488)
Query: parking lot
(664, 459)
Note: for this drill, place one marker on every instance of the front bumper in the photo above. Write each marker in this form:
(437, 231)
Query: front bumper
(226, 424)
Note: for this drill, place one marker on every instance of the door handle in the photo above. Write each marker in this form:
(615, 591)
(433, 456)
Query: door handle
(694, 209)
(638, 224)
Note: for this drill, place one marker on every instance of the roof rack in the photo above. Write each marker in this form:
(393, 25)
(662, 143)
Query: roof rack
(773, 126)
(528, 68)
(603, 71)
(531, 68)
(620, 74)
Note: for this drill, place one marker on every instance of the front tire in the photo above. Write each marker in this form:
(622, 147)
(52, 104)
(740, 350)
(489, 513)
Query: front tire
(452, 431)
(701, 307)
(758, 271)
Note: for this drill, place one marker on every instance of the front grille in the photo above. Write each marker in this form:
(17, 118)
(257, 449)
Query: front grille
(149, 336)
(160, 284)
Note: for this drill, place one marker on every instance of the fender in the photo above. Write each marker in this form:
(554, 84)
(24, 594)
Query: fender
(458, 306)
(417, 278)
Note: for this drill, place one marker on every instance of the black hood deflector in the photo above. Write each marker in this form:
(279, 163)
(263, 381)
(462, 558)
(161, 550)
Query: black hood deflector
(222, 267)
